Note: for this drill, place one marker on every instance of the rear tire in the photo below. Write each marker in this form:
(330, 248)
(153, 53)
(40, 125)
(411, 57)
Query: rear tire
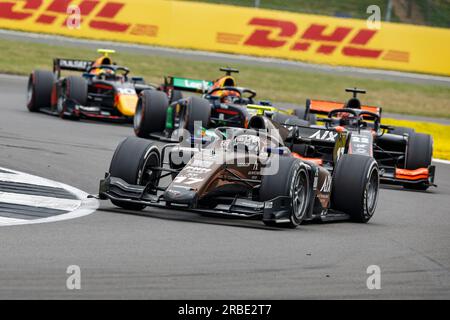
(39, 91)
(198, 109)
(303, 114)
(355, 186)
(312, 119)
(151, 112)
(176, 95)
(420, 151)
(401, 130)
(291, 180)
(281, 118)
(130, 163)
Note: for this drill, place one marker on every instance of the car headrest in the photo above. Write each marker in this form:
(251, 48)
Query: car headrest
(353, 103)
(106, 61)
(257, 123)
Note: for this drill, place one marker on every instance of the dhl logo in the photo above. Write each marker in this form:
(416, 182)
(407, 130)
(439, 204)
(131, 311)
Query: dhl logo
(320, 38)
(97, 14)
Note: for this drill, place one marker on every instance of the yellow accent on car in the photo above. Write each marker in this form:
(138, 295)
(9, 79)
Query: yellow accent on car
(260, 109)
(106, 52)
(126, 104)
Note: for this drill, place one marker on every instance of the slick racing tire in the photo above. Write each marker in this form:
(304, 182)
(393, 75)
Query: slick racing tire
(355, 187)
(419, 151)
(302, 113)
(402, 130)
(75, 91)
(198, 109)
(281, 118)
(131, 162)
(151, 112)
(418, 155)
(39, 91)
(291, 180)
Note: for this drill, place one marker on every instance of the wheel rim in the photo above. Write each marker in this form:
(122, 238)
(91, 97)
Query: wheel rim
(138, 116)
(148, 174)
(299, 195)
(372, 193)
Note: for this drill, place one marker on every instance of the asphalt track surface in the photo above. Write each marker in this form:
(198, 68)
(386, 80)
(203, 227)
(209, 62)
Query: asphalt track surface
(180, 255)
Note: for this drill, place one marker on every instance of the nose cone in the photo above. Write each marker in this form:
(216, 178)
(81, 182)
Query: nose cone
(126, 104)
(180, 196)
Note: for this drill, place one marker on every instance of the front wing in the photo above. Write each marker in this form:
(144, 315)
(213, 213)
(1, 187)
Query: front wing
(404, 176)
(276, 210)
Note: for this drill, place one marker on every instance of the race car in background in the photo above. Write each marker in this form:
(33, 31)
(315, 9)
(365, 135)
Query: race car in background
(246, 173)
(222, 103)
(404, 156)
(103, 91)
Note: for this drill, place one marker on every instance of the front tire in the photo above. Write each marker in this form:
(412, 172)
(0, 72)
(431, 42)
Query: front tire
(418, 155)
(355, 187)
(151, 112)
(402, 130)
(39, 90)
(75, 91)
(131, 162)
(420, 151)
(292, 180)
(198, 109)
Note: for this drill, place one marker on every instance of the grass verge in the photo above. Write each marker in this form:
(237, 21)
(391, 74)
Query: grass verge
(275, 84)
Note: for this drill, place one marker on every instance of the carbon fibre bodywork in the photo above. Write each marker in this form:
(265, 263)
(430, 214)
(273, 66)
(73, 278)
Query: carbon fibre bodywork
(220, 178)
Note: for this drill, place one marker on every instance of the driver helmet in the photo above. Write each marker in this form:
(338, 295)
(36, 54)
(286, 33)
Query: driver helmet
(225, 95)
(106, 73)
(346, 118)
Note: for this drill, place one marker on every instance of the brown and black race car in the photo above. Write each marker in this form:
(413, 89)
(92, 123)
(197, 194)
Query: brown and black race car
(247, 173)
(103, 91)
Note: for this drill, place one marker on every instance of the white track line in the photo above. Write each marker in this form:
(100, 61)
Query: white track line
(77, 208)
(9, 221)
(441, 161)
(39, 201)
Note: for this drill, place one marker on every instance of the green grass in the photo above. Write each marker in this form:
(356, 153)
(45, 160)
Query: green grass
(281, 85)
(435, 12)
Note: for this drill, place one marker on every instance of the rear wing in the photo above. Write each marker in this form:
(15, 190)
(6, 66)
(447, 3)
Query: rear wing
(324, 107)
(71, 64)
(186, 84)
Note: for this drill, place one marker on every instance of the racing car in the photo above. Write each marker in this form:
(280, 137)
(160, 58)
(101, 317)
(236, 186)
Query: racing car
(103, 91)
(404, 156)
(246, 173)
(222, 103)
